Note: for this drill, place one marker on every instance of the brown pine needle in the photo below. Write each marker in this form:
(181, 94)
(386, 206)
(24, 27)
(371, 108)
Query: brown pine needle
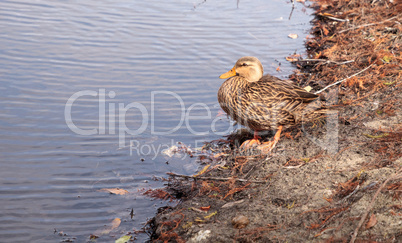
(365, 25)
(340, 81)
(214, 178)
(398, 174)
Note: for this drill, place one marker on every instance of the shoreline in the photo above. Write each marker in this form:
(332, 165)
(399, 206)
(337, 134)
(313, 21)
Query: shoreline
(345, 188)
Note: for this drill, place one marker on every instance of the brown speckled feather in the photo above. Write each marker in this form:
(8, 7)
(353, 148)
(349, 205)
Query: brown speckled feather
(267, 103)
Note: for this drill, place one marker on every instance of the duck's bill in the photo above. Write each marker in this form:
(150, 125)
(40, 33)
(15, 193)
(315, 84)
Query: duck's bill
(229, 74)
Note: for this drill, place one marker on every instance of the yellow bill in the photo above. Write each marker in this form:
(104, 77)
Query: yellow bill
(229, 74)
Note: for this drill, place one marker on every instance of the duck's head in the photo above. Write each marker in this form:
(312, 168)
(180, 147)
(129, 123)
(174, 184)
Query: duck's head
(249, 68)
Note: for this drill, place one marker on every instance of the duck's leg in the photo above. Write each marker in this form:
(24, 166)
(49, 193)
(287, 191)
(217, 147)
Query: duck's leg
(268, 146)
(249, 143)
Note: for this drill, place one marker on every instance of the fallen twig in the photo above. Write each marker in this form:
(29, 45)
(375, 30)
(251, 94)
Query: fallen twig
(352, 193)
(333, 18)
(340, 81)
(395, 176)
(293, 7)
(324, 60)
(195, 6)
(293, 167)
(214, 178)
(365, 25)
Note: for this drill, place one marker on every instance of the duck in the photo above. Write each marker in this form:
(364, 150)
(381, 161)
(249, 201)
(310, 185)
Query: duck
(264, 102)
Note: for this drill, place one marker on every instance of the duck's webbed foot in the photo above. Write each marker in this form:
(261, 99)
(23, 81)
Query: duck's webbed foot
(252, 142)
(267, 147)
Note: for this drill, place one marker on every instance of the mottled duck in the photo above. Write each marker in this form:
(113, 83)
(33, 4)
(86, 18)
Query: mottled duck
(263, 102)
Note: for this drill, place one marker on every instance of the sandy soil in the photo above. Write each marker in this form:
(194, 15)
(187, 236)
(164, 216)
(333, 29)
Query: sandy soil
(322, 179)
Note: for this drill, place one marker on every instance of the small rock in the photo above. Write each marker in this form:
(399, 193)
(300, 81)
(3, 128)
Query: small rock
(231, 204)
(240, 222)
(201, 236)
(293, 36)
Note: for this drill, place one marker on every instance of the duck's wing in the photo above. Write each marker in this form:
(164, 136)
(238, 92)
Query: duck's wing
(284, 89)
(276, 101)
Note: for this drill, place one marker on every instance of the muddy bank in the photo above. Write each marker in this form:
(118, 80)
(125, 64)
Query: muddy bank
(337, 180)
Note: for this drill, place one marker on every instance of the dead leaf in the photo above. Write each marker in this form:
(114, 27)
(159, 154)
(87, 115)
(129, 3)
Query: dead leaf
(115, 223)
(116, 191)
(203, 170)
(326, 32)
(372, 221)
(205, 208)
(293, 36)
(293, 58)
(123, 239)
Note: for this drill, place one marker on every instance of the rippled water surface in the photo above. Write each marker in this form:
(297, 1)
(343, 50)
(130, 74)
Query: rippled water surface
(81, 81)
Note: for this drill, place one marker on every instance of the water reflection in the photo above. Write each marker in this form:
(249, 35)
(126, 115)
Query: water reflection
(51, 50)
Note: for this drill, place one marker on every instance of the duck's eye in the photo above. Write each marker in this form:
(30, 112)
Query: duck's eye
(244, 64)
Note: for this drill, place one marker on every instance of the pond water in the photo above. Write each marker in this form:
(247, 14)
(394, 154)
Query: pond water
(92, 92)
